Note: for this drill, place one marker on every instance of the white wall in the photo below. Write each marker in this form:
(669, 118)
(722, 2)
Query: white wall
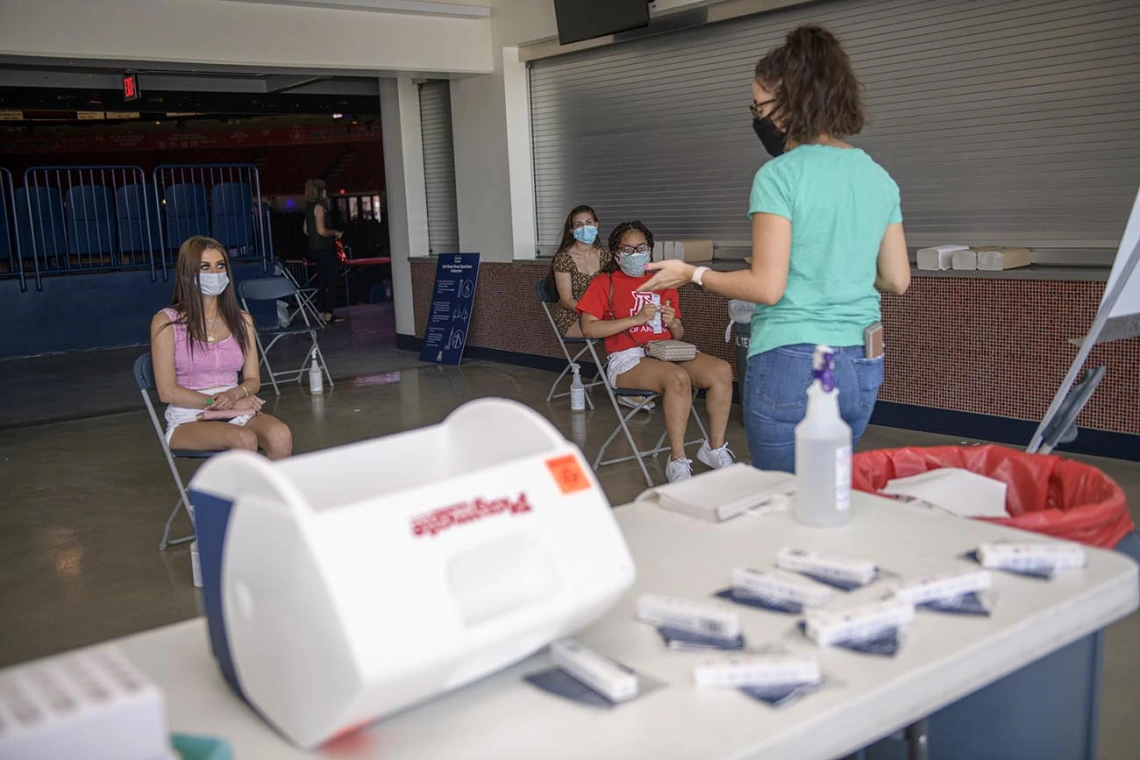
(490, 118)
(217, 32)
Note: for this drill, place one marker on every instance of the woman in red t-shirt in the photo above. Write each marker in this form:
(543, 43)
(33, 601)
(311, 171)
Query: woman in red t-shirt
(615, 308)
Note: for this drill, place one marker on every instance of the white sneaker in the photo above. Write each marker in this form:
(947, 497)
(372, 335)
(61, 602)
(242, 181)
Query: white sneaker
(633, 401)
(678, 469)
(716, 458)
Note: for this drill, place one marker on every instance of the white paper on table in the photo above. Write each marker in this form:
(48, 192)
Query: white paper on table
(954, 490)
(722, 494)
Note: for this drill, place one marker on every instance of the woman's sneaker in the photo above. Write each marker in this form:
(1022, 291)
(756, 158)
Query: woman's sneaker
(678, 469)
(716, 458)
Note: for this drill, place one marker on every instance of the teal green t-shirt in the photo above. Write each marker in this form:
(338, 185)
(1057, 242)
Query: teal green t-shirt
(839, 202)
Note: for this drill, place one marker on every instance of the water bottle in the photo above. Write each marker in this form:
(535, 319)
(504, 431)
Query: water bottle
(577, 391)
(823, 451)
(316, 379)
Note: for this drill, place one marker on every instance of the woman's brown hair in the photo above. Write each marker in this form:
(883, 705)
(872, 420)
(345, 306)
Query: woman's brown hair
(568, 238)
(314, 191)
(187, 299)
(814, 88)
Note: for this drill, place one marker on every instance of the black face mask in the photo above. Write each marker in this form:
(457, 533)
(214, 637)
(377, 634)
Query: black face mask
(770, 135)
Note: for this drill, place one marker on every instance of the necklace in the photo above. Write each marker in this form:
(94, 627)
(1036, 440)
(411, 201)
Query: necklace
(210, 329)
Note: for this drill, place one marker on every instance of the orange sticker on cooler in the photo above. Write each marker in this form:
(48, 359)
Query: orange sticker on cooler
(568, 474)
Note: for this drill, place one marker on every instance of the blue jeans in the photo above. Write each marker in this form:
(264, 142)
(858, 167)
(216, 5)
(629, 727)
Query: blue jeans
(775, 399)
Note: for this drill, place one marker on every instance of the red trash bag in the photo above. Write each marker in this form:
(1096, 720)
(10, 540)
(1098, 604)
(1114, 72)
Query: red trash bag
(1044, 493)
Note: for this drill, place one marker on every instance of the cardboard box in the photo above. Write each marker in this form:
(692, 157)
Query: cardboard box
(694, 251)
(998, 259)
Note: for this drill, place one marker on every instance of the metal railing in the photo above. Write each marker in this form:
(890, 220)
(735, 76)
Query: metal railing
(222, 201)
(85, 218)
(11, 263)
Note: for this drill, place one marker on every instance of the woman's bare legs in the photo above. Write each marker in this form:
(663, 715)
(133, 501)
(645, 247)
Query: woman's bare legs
(715, 376)
(675, 387)
(263, 431)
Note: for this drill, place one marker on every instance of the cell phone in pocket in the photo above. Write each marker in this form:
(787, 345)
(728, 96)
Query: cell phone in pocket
(873, 341)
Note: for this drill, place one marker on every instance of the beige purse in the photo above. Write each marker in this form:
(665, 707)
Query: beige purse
(662, 350)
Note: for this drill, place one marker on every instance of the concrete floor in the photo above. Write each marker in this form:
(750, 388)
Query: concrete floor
(85, 497)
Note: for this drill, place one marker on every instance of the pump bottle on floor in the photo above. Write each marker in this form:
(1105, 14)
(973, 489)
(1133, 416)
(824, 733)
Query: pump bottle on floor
(577, 391)
(823, 451)
(316, 379)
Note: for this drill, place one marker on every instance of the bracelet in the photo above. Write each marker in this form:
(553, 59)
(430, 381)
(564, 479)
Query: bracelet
(699, 275)
(242, 386)
(209, 400)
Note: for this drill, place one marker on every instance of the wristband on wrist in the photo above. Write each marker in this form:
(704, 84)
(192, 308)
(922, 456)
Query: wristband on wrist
(209, 400)
(699, 274)
(242, 386)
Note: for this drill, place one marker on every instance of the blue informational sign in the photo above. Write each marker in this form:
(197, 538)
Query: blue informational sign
(452, 301)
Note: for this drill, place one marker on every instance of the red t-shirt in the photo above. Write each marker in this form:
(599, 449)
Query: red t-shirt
(628, 300)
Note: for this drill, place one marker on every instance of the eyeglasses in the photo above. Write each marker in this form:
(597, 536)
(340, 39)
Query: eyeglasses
(584, 223)
(756, 106)
(629, 250)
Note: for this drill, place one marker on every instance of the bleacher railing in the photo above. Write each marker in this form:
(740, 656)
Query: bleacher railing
(11, 264)
(222, 201)
(85, 218)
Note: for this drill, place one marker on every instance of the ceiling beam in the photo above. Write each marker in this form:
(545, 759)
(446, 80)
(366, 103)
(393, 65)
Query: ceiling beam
(415, 7)
(282, 83)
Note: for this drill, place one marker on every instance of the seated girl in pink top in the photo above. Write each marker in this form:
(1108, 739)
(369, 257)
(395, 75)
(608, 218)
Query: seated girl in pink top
(198, 345)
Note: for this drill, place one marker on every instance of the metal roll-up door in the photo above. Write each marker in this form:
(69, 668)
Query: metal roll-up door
(439, 167)
(1014, 121)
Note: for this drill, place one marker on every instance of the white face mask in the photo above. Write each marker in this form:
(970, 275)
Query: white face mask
(213, 284)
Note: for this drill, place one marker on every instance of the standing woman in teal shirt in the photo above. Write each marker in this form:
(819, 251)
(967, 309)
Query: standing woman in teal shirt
(827, 236)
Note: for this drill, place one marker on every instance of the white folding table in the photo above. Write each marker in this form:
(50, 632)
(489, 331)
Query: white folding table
(943, 658)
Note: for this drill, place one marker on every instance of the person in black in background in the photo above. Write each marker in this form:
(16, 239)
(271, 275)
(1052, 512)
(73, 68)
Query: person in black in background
(322, 245)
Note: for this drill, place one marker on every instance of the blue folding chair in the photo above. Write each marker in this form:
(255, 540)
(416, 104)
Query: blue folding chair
(231, 215)
(90, 221)
(39, 224)
(282, 289)
(185, 213)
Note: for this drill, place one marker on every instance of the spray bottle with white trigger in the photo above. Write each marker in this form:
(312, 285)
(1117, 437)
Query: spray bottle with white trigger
(823, 451)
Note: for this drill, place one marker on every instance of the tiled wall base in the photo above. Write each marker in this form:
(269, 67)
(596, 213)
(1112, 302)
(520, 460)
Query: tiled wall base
(988, 347)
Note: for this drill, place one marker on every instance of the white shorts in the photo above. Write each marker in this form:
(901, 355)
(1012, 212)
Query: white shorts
(180, 415)
(623, 361)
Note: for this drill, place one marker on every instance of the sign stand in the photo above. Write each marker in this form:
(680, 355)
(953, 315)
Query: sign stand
(1118, 318)
(452, 302)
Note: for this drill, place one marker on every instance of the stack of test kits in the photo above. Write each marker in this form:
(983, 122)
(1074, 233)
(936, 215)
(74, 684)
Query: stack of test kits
(1039, 560)
(838, 572)
(776, 590)
(949, 592)
(873, 628)
(686, 624)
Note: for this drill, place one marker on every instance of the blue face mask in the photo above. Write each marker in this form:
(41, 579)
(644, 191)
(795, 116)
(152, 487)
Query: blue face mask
(586, 235)
(633, 264)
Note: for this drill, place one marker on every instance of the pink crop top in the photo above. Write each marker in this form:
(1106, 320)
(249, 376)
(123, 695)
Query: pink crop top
(212, 365)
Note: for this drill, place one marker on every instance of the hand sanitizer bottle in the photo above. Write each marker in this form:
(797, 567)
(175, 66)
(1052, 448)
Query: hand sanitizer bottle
(823, 451)
(577, 391)
(316, 379)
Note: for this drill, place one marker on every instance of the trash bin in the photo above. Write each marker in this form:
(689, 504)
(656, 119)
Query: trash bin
(739, 330)
(1044, 493)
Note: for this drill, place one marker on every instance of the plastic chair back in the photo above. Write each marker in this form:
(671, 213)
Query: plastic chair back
(41, 232)
(231, 210)
(542, 290)
(137, 216)
(90, 225)
(185, 213)
(144, 373)
(266, 289)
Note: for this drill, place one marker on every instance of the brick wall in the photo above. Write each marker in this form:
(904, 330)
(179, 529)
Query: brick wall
(987, 346)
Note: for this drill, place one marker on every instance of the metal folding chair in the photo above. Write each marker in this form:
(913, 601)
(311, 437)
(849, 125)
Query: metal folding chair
(546, 298)
(647, 397)
(282, 289)
(144, 378)
(306, 292)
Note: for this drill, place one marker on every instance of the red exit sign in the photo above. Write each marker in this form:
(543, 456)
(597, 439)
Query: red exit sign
(131, 87)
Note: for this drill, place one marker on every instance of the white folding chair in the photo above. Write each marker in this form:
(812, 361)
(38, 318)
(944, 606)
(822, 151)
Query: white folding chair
(546, 298)
(275, 289)
(306, 291)
(646, 397)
